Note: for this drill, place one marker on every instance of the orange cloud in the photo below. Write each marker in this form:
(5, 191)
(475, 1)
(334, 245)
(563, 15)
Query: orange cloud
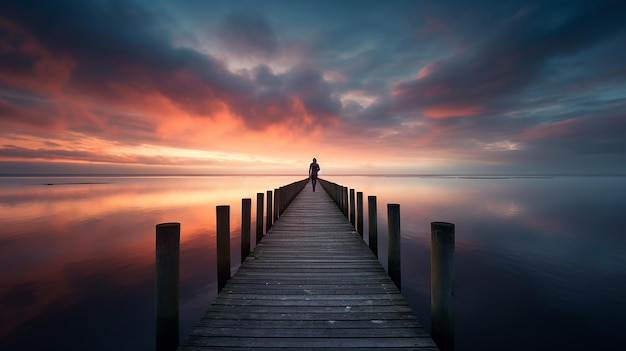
(451, 111)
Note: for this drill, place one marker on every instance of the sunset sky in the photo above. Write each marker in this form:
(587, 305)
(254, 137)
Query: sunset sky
(233, 86)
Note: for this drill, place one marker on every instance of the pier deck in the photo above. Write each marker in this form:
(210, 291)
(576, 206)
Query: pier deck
(310, 284)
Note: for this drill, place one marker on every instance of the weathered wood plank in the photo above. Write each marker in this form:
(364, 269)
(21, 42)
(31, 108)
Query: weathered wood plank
(317, 342)
(326, 300)
(311, 283)
(307, 332)
(313, 324)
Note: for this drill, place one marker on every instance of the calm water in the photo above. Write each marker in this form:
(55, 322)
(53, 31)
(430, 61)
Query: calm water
(540, 261)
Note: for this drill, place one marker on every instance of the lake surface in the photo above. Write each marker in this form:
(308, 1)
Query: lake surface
(540, 261)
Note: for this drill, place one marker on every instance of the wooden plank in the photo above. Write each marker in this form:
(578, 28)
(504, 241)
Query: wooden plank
(380, 325)
(310, 284)
(313, 342)
(309, 332)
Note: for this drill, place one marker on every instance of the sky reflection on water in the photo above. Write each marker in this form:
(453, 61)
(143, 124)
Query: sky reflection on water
(537, 258)
(78, 259)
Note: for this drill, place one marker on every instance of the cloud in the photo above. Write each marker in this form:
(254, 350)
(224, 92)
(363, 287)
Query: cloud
(427, 70)
(449, 110)
(17, 153)
(118, 55)
(314, 92)
(33, 113)
(508, 62)
(299, 97)
(476, 81)
(248, 33)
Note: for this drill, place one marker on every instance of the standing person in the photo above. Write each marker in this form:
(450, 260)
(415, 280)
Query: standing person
(313, 169)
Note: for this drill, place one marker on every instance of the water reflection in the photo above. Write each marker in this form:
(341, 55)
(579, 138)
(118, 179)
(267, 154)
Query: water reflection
(537, 258)
(77, 260)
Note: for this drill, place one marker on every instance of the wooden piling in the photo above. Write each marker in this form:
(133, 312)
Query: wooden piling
(276, 202)
(352, 208)
(345, 202)
(259, 217)
(338, 196)
(223, 246)
(393, 243)
(442, 284)
(372, 224)
(167, 285)
(246, 219)
(359, 212)
(282, 195)
(268, 218)
(342, 203)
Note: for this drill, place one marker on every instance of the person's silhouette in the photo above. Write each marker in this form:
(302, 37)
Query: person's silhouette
(313, 169)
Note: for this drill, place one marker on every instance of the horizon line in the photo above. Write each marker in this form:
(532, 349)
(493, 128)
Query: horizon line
(301, 175)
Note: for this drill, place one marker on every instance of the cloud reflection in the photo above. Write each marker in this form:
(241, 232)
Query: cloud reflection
(68, 249)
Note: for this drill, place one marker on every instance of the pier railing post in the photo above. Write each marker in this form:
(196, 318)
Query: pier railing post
(167, 285)
(393, 243)
(340, 197)
(268, 219)
(223, 246)
(276, 203)
(246, 214)
(259, 217)
(352, 208)
(442, 284)
(279, 199)
(372, 224)
(359, 212)
(345, 201)
(283, 199)
(335, 191)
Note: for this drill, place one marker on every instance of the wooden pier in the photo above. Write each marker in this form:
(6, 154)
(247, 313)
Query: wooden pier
(311, 283)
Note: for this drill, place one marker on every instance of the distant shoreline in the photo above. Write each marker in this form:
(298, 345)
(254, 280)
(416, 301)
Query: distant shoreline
(460, 176)
(76, 183)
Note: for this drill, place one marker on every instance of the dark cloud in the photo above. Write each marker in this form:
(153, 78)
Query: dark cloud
(6, 110)
(265, 78)
(547, 76)
(314, 92)
(288, 97)
(108, 28)
(117, 47)
(588, 135)
(248, 33)
(42, 117)
(514, 58)
(12, 152)
(17, 63)
(17, 110)
(23, 294)
(18, 152)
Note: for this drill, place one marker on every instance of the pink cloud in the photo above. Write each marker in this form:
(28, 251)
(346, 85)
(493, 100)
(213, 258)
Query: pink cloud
(427, 70)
